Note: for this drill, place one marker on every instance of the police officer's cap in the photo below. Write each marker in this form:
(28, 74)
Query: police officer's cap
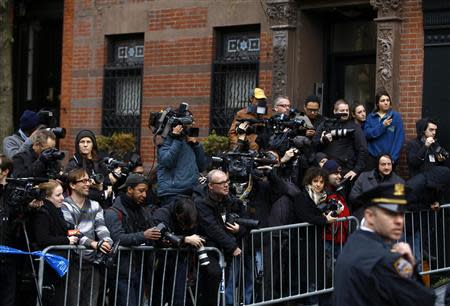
(391, 197)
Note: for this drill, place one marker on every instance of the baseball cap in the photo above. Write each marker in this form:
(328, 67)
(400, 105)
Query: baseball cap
(258, 93)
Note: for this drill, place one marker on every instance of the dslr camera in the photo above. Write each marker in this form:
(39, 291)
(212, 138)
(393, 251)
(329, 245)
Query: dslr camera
(107, 259)
(235, 218)
(167, 235)
(161, 123)
(440, 150)
(331, 205)
(46, 118)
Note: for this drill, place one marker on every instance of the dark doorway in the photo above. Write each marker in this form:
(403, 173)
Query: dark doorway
(350, 56)
(37, 56)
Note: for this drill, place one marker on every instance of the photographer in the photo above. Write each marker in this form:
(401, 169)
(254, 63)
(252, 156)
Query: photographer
(427, 167)
(241, 135)
(180, 160)
(180, 219)
(85, 215)
(20, 140)
(39, 159)
(129, 222)
(87, 157)
(342, 140)
(215, 204)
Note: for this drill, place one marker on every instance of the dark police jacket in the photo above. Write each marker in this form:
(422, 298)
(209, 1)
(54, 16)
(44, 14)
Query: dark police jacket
(369, 273)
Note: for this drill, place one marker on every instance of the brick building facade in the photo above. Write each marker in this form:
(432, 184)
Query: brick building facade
(122, 60)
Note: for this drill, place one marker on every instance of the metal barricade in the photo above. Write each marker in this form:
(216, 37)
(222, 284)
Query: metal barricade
(284, 263)
(427, 233)
(141, 275)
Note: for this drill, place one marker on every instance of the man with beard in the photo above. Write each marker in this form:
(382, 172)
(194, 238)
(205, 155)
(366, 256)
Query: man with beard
(373, 269)
(383, 173)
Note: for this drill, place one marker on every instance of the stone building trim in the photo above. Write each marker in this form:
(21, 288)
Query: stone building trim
(388, 45)
(282, 16)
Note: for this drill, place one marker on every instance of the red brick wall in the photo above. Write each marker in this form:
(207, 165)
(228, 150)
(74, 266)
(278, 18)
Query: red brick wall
(177, 66)
(411, 65)
(411, 70)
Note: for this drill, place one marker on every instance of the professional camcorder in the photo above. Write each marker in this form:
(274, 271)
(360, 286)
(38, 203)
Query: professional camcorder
(161, 123)
(167, 235)
(235, 218)
(21, 191)
(46, 118)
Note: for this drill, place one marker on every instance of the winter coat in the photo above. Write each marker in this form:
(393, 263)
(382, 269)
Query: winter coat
(14, 144)
(369, 179)
(28, 164)
(211, 222)
(384, 139)
(349, 151)
(179, 165)
(49, 226)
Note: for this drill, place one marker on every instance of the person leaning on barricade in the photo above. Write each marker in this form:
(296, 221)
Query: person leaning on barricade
(129, 223)
(178, 223)
(215, 206)
(341, 139)
(242, 135)
(86, 216)
(373, 269)
(50, 228)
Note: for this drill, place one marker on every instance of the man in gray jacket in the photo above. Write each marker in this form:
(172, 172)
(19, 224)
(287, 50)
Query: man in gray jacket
(369, 179)
(20, 140)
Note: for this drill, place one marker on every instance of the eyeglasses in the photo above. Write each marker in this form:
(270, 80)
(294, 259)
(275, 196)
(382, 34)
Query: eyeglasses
(84, 181)
(221, 183)
(312, 110)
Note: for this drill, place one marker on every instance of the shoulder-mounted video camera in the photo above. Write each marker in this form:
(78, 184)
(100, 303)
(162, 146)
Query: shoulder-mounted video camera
(161, 123)
(21, 191)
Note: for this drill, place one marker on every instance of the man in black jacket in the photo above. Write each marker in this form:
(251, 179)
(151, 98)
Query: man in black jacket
(129, 223)
(349, 150)
(214, 203)
(38, 159)
(426, 163)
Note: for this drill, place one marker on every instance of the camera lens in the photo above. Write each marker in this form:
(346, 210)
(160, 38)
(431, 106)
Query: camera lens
(203, 258)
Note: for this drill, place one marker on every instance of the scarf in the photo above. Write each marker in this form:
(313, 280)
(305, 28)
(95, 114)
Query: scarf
(317, 197)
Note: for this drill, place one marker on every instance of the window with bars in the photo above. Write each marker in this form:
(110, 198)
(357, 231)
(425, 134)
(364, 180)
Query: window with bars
(235, 74)
(122, 90)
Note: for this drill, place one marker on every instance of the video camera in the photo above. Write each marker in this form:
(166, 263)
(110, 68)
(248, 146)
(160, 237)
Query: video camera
(166, 234)
(235, 218)
(21, 191)
(46, 118)
(241, 165)
(331, 205)
(161, 123)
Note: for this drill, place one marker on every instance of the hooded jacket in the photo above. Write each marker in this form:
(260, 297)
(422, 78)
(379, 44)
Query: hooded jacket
(420, 157)
(78, 161)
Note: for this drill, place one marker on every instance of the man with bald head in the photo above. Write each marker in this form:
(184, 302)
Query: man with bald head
(214, 202)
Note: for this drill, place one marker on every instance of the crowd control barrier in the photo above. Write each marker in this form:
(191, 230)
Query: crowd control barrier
(140, 275)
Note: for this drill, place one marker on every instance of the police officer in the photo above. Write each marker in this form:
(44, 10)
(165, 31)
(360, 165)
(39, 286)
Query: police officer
(373, 269)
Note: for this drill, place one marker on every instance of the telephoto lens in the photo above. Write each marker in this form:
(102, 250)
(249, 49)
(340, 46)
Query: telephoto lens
(202, 256)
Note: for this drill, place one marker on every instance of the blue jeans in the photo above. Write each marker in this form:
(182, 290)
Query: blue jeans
(128, 291)
(234, 277)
